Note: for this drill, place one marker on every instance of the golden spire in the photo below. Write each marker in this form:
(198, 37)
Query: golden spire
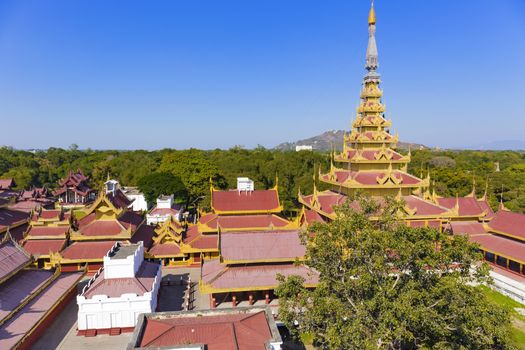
(372, 15)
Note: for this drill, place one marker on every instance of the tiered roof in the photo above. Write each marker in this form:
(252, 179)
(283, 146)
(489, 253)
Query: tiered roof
(33, 199)
(76, 182)
(167, 240)
(47, 233)
(104, 220)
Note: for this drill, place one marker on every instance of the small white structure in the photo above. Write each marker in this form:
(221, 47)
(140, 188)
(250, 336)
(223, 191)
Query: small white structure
(111, 186)
(121, 290)
(164, 209)
(303, 148)
(245, 184)
(139, 201)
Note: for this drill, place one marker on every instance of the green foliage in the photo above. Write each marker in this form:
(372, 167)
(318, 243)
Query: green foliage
(155, 184)
(452, 171)
(450, 179)
(386, 286)
(195, 170)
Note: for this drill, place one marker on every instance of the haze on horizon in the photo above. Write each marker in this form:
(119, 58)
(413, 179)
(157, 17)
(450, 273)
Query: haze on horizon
(209, 74)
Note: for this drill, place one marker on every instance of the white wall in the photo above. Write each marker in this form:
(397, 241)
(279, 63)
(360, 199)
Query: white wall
(124, 268)
(508, 287)
(102, 312)
(139, 202)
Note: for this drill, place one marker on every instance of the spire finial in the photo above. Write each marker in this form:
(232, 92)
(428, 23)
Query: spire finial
(371, 51)
(372, 14)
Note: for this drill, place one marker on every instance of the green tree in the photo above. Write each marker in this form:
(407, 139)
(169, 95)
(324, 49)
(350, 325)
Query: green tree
(155, 184)
(194, 169)
(387, 286)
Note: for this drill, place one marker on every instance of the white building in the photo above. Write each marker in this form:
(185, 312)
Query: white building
(123, 288)
(245, 184)
(164, 209)
(303, 148)
(139, 201)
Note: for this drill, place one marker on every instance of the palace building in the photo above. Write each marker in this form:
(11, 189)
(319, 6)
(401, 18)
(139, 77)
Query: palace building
(245, 272)
(48, 233)
(123, 288)
(241, 209)
(95, 229)
(251, 328)
(30, 298)
(75, 190)
(369, 163)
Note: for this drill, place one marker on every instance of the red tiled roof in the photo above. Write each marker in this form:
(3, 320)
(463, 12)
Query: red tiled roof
(89, 226)
(144, 233)
(370, 177)
(253, 276)
(12, 258)
(131, 219)
(40, 231)
(242, 331)
(10, 217)
(509, 223)
(484, 205)
(371, 154)
(19, 288)
(30, 205)
(119, 199)
(87, 250)
(247, 221)
(423, 207)
(18, 232)
(467, 227)
(164, 249)
(115, 287)
(25, 319)
(200, 241)
(38, 247)
(250, 201)
(313, 216)
(266, 245)
(174, 210)
(50, 214)
(329, 200)
(102, 228)
(205, 242)
(6, 184)
(500, 245)
(468, 206)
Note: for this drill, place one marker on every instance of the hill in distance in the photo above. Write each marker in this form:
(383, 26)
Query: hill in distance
(333, 138)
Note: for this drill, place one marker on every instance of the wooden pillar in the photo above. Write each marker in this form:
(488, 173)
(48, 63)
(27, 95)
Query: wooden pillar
(267, 298)
(250, 299)
(234, 300)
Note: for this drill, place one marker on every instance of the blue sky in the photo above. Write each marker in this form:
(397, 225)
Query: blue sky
(206, 74)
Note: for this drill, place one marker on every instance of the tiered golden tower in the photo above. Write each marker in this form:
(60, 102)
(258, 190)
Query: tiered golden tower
(370, 162)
